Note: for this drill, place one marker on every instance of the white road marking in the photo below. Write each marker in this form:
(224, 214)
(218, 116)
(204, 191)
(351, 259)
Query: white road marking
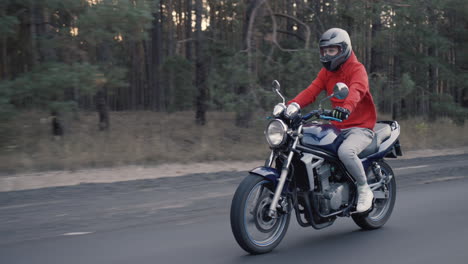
(77, 233)
(61, 215)
(412, 167)
(444, 179)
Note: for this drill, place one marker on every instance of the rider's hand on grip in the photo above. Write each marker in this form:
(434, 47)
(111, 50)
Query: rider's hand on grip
(292, 110)
(340, 113)
(279, 109)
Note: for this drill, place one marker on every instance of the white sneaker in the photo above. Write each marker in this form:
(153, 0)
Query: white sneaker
(365, 198)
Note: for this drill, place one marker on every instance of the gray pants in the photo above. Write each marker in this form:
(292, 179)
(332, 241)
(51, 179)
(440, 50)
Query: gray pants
(356, 140)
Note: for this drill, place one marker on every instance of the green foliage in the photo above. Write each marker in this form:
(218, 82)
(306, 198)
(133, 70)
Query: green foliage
(53, 85)
(406, 87)
(444, 105)
(8, 25)
(420, 46)
(6, 108)
(225, 81)
(109, 19)
(300, 71)
(231, 87)
(378, 88)
(178, 73)
(113, 77)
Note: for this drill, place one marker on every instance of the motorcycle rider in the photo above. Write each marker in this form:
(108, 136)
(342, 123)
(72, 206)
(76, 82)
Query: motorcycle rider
(357, 111)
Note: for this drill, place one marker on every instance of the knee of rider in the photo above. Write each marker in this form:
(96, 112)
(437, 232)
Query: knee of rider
(346, 154)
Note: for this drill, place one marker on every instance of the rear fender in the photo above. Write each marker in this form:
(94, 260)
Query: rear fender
(390, 148)
(390, 145)
(395, 151)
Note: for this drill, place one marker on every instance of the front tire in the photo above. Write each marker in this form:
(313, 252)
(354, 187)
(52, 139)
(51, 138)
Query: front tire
(383, 208)
(253, 230)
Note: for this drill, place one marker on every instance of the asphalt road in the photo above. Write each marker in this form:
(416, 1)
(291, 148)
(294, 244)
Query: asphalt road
(186, 220)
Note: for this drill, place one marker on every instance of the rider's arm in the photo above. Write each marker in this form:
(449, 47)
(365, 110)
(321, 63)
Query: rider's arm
(309, 95)
(358, 87)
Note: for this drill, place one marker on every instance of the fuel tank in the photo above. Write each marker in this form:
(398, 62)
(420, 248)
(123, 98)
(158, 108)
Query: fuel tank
(322, 136)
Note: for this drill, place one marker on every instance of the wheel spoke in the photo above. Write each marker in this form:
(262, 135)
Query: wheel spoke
(383, 199)
(261, 229)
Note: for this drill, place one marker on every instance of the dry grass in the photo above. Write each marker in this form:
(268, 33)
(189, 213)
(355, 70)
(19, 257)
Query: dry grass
(416, 133)
(134, 138)
(154, 138)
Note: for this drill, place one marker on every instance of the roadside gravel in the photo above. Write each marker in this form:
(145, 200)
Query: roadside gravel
(38, 180)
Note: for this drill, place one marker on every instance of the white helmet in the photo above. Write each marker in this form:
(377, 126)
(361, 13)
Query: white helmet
(335, 37)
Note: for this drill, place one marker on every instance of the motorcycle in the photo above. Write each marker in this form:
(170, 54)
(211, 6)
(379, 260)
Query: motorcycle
(304, 173)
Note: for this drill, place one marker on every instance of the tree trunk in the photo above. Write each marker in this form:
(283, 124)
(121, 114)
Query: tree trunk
(33, 32)
(158, 97)
(251, 41)
(4, 62)
(396, 80)
(432, 68)
(46, 31)
(348, 19)
(180, 32)
(214, 24)
(289, 11)
(317, 6)
(200, 76)
(4, 71)
(57, 124)
(102, 109)
(376, 63)
(169, 84)
(170, 28)
(251, 4)
(188, 30)
(147, 74)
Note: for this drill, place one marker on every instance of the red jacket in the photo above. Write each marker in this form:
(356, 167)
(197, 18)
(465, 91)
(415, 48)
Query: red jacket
(359, 101)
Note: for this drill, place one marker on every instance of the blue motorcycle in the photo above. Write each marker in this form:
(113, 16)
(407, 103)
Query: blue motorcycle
(304, 173)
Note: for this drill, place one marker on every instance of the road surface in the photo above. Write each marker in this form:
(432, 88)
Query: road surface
(186, 220)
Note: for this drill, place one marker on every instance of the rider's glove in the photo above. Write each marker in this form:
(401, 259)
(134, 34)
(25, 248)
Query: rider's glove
(340, 113)
(292, 110)
(279, 109)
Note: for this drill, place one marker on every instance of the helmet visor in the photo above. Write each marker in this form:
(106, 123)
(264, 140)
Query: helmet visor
(331, 51)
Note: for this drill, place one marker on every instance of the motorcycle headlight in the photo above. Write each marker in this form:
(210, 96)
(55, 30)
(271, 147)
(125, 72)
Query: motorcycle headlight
(276, 133)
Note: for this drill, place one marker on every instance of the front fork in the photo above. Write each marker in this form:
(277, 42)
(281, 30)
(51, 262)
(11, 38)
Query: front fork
(272, 212)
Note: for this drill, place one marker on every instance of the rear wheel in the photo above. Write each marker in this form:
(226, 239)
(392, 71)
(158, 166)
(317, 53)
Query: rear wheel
(254, 230)
(383, 207)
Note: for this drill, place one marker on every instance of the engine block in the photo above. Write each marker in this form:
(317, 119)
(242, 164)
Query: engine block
(333, 194)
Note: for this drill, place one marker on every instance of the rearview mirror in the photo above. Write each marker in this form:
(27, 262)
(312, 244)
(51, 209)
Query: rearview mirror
(340, 90)
(276, 86)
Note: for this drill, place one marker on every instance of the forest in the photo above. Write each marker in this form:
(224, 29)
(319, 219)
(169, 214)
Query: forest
(221, 55)
(63, 57)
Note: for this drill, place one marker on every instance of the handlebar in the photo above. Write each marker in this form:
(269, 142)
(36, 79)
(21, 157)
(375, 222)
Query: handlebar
(330, 118)
(322, 114)
(309, 115)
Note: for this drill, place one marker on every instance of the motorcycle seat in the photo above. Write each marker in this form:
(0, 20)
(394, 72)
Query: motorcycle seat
(382, 133)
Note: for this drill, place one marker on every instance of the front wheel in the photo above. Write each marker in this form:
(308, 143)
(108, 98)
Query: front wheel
(254, 230)
(382, 207)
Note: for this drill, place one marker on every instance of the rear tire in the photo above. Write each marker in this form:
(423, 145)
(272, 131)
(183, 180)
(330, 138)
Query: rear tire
(255, 232)
(382, 208)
